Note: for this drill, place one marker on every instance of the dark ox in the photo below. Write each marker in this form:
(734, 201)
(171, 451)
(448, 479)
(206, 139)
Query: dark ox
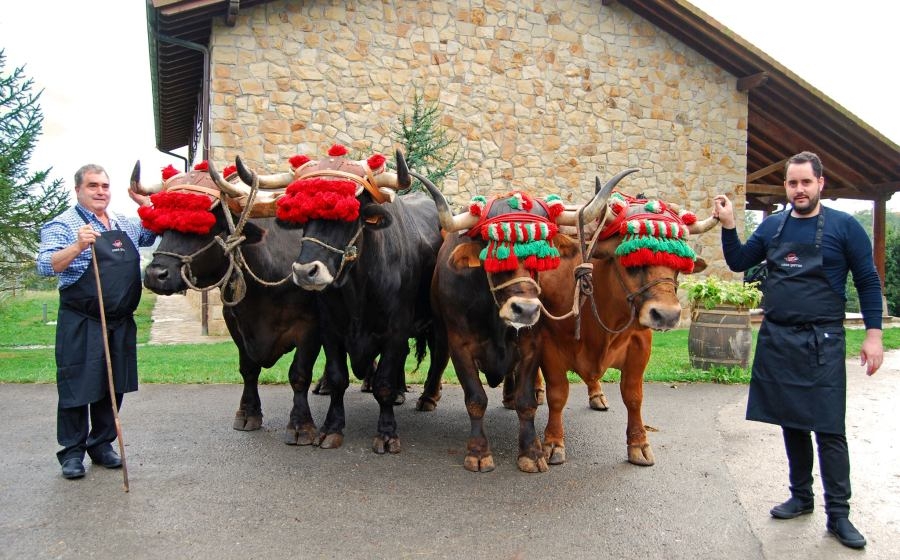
(637, 274)
(368, 256)
(489, 310)
(268, 320)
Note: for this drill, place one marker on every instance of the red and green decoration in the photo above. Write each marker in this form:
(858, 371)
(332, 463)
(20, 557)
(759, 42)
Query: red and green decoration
(178, 210)
(654, 235)
(518, 236)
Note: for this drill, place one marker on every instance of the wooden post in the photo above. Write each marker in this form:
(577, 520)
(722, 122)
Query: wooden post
(204, 313)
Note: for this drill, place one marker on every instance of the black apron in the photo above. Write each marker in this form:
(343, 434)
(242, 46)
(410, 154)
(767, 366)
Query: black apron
(81, 376)
(799, 376)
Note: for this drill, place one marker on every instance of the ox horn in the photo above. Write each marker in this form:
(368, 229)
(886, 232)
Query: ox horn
(135, 184)
(389, 182)
(449, 222)
(593, 209)
(697, 227)
(232, 190)
(274, 181)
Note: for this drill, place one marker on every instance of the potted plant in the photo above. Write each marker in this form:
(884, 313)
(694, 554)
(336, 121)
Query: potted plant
(720, 333)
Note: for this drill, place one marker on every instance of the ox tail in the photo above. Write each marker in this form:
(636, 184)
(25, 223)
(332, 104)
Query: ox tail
(421, 347)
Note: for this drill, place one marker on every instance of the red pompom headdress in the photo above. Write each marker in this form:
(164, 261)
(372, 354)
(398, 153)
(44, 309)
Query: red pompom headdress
(181, 206)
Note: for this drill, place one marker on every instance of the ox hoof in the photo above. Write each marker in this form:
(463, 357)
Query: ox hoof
(509, 404)
(246, 423)
(474, 463)
(305, 435)
(598, 402)
(382, 445)
(540, 395)
(426, 404)
(399, 399)
(531, 465)
(330, 441)
(555, 453)
(640, 454)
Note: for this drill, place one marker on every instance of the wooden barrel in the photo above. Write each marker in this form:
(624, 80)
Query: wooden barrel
(719, 337)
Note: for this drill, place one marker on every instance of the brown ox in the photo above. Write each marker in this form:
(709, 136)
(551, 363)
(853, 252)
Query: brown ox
(485, 297)
(638, 296)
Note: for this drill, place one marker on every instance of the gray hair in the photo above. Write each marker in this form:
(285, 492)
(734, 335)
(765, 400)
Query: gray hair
(89, 168)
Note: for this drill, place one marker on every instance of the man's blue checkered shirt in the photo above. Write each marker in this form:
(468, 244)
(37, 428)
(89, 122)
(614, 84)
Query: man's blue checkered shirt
(62, 231)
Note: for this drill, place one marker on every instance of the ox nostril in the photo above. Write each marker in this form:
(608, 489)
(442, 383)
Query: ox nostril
(312, 271)
(162, 274)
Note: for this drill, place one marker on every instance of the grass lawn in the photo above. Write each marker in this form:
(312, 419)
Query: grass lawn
(27, 355)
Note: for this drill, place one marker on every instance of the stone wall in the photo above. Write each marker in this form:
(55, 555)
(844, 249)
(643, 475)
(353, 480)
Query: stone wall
(215, 323)
(541, 96)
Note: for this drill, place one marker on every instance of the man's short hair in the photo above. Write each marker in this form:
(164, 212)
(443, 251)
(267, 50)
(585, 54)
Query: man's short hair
(89, 168)
(804, 157)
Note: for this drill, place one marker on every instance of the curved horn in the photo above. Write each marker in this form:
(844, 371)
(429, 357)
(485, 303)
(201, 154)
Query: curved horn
(597, 205)
(449, 222)
(697, 227)
(702, 227)
(235, 191)
(135, 184)
(246, 174)
(275, 181)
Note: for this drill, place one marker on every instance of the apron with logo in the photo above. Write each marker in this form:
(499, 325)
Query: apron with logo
(81, 376)
(799, 377)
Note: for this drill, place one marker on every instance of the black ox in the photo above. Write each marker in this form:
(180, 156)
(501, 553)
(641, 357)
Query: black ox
(266, 315)
(368, 256)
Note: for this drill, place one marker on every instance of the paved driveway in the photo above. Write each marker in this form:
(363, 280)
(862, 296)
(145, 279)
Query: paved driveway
(202, 490)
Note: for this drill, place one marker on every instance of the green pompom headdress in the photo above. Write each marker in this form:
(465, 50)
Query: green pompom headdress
(518, 236)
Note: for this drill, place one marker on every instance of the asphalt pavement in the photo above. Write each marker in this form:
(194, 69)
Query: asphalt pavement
(199, 489)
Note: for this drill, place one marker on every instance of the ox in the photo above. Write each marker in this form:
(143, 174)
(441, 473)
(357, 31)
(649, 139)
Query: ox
(266, 315)
(485, 295)
(637, 253)
(368, 256)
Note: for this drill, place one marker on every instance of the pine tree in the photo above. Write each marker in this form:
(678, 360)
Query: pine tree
(892, 272)
(27, 199)
(425, 140)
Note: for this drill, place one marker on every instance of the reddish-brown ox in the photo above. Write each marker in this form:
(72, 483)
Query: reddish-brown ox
(637, 255)
(485, 298)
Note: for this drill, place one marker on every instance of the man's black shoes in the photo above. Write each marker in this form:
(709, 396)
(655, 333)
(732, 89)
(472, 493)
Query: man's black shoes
(792, 508)
(107, 458)
(72, 468)
(845, 532)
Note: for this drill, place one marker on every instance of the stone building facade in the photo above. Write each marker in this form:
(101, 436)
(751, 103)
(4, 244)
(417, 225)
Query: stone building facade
(540, 96)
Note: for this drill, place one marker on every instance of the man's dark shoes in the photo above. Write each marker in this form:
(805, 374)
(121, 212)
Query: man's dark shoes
(107, 458)
(845, 532)
(792, 508)
(72, 468)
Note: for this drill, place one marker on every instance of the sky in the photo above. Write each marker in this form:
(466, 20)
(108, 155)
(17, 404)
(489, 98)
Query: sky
(98, 107)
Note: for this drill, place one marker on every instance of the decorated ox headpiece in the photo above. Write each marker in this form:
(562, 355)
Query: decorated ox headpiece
(327, 189)
(654, 233)
(522, 230)
(183, 202)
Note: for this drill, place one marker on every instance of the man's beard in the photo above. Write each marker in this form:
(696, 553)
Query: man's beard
(812, 204)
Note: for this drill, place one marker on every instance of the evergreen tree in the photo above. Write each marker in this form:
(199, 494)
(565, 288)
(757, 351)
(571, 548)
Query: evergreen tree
(892, 272)
(27, 199)
(427, 147)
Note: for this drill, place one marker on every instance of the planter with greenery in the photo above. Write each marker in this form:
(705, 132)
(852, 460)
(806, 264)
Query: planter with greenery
(720, 333)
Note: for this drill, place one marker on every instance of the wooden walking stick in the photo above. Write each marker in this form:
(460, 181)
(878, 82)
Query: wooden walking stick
(109, 372)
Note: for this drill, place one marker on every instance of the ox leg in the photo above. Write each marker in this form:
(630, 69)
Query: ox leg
(385, 390)
(596, 397)
(301, 429)
(632, 386)
(331, 436)
(531, 456)
(557, 397)
(249, 413)
(479, 457)
(440, 357)
(509, 391)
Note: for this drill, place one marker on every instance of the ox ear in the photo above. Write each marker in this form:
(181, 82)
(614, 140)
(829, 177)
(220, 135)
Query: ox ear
(568, 247)
(253, 233)
(465, 256)
(374, 216)
(699, 265)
